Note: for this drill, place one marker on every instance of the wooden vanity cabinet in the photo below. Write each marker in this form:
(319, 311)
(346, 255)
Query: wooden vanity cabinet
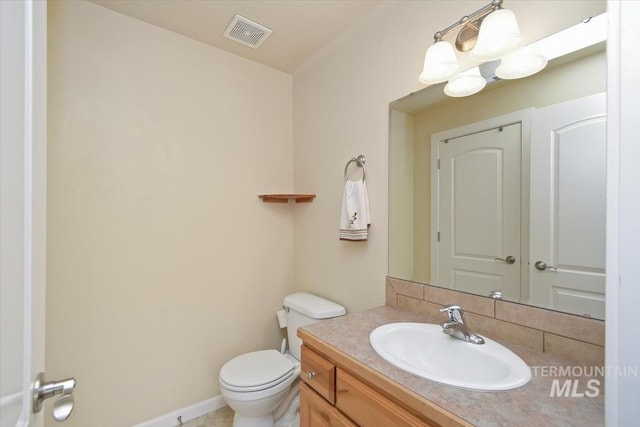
(332, 396)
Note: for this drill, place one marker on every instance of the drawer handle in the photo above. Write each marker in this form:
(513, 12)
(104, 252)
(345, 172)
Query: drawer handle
(310, 375)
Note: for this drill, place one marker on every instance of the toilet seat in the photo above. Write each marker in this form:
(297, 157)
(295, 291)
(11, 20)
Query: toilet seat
(255, 371)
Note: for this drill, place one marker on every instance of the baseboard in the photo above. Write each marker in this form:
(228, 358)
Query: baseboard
(187, 413)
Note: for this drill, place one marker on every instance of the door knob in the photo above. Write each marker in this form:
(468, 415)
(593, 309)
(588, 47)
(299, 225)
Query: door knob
(541, 265)
(508, 260)
(43, 389)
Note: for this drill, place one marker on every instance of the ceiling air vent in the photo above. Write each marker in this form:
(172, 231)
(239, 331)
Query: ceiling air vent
(247, 32)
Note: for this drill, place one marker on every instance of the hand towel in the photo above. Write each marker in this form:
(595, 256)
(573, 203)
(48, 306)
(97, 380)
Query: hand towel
(354, 216)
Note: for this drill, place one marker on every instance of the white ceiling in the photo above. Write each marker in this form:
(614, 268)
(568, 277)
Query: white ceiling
(300, 27)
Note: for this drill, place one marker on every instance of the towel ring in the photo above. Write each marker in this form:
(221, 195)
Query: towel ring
(360, 161)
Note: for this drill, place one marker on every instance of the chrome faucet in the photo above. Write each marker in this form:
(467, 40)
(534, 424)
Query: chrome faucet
(456, 327)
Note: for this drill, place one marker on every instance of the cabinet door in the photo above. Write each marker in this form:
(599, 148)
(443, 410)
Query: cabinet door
(317, 412)
(367, 407)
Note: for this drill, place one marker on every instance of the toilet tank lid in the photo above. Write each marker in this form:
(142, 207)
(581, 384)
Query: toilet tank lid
(313, 306)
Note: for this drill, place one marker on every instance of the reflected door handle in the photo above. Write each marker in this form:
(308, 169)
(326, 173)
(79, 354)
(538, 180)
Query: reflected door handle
(541, 265)
(497, 294)
(508, 260)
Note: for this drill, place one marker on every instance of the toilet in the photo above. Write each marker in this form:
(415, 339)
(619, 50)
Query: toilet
(262, 387)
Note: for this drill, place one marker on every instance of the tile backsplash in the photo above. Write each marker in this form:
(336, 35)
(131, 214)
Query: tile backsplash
(575, 338)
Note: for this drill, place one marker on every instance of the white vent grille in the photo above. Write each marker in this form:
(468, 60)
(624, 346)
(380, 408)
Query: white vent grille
(247, 32)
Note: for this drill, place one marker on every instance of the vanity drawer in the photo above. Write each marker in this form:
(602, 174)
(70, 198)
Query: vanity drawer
(367, 407)
(319, 374)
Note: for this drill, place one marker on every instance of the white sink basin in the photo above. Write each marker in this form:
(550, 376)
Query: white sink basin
(424, 350)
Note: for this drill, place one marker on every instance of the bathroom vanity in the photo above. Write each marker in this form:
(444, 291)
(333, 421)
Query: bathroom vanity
(345, 383)
(332, 396)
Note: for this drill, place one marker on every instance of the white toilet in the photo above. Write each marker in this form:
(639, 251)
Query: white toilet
(262, 387)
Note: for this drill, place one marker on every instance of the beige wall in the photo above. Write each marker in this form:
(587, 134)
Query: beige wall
(162, 261)
(341, 109)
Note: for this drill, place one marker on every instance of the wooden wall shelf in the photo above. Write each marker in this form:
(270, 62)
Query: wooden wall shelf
(284, 198)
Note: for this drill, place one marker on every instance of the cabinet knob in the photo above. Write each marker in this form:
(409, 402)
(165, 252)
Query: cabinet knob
(310, 375)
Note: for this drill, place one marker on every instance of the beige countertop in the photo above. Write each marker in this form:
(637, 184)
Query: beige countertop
(530, 405)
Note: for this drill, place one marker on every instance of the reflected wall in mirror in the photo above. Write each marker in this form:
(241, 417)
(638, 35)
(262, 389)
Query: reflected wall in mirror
(555, 197)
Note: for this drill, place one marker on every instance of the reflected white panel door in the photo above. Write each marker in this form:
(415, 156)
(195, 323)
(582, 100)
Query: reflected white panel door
(568, 161)
(479, 199)
(22, 203)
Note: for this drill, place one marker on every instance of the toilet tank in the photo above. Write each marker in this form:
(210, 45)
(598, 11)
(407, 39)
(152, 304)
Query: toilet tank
(303, 309)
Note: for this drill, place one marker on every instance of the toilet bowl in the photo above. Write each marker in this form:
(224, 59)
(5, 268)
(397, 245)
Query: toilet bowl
(262, 387)
(254, 384)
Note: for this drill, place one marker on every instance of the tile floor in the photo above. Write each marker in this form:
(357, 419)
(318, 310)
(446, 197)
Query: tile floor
(223, 417)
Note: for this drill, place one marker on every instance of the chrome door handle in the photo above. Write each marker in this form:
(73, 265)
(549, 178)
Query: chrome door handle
(43, 389)
(508, 260)
(541, 265)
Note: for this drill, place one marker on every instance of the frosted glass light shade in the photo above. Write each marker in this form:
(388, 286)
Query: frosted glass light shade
(499, 35)
(523, 62)
(465, 84)
(440, 63)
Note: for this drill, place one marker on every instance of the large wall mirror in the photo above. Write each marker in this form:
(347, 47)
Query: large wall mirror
(502, 193)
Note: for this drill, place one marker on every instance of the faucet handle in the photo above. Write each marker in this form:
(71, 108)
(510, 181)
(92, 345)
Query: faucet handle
(455, 313)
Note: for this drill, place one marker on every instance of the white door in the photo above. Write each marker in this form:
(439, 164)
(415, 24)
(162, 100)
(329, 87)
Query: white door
(568, 161)
(22, 206)
(479, 211)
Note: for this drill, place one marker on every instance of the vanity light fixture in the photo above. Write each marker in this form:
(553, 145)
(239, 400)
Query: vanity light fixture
(488, 34)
